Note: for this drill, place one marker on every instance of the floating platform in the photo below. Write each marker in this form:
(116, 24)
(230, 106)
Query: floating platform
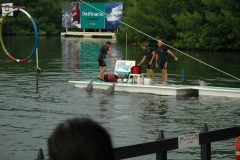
(89, 34)
(169, 90)
(218, 91)
(175, 90)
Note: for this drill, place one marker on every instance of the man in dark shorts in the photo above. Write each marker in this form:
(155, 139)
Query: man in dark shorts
(162, 56)
(104, 50)
(149, 54)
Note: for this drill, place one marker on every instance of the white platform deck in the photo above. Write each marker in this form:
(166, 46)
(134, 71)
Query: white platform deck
(218, 91)
(173, 90)
(152, 89)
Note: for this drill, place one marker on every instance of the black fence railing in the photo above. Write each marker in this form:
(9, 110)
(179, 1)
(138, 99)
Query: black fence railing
(162, 145)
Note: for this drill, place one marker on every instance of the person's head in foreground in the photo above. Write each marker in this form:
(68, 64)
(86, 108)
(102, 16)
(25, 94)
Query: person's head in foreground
(80, 139)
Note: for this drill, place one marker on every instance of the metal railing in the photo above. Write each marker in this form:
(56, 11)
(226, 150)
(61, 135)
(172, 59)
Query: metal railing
(162, 145)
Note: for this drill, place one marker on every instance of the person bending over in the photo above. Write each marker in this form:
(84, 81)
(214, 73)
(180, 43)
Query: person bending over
(149, 54)
(104, 50)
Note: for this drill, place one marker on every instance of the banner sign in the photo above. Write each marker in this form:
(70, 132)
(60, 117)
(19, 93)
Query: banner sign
(92, 15)
(71, 14)
(124, 66)
(7, 8)
(113, 15)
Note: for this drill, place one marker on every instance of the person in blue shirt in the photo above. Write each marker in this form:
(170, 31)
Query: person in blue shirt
(162, 56)
(149, 54)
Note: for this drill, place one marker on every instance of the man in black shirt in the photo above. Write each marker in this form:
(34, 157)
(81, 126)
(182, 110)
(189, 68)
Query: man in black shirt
(162, 56)
(149, 54)
(104, 50)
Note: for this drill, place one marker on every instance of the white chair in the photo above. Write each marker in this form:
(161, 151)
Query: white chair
(135, 77)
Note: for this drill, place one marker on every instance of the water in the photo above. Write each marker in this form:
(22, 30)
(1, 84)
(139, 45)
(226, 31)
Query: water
(27, 118)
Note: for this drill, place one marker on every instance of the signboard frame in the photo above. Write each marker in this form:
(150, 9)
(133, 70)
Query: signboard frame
(6, 9)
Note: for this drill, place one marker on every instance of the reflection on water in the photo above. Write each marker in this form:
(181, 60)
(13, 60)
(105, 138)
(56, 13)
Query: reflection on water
(79, 53)
(27, 118)
(71, 53)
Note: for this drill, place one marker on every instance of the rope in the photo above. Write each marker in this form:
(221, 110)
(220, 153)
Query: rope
(164, 43)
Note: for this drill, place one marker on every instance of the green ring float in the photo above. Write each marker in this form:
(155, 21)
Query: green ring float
(35, 32)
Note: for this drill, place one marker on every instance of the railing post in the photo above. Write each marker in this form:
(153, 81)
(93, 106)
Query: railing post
(40, 155)
(161, 155)
(205, 148)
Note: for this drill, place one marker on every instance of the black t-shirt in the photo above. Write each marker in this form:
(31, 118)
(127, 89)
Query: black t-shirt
(162, 52)
(103, 51)
(148, 53)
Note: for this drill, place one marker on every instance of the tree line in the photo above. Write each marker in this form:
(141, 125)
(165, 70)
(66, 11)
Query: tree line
(185, 24)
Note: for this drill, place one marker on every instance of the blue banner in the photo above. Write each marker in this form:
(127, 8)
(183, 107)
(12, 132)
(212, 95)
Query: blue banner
(113, 15)
(92, 15)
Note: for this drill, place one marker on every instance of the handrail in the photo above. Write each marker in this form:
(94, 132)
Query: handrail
(218, 135)
(172, 143)
(146, 148)
(161, 146)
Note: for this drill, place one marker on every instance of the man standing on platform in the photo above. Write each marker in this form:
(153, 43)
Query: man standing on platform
(162, 56)
(104, 50)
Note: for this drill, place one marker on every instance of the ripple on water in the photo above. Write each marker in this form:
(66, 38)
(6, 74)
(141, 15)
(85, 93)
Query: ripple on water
(28, 118)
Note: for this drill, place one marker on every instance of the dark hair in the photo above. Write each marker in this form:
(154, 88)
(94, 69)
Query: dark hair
(80, 139)
(108, 42)
(77, 5)
(145, 44)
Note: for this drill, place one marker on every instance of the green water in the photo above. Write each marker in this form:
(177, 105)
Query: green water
(27, 118)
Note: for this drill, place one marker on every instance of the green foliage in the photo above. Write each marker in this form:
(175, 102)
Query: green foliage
(185, 24)
(45, 13)
(211, 27)
(190, 27)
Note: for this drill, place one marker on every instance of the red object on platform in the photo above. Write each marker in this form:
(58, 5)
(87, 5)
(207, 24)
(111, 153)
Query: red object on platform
(110, 77)
(136, 70)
